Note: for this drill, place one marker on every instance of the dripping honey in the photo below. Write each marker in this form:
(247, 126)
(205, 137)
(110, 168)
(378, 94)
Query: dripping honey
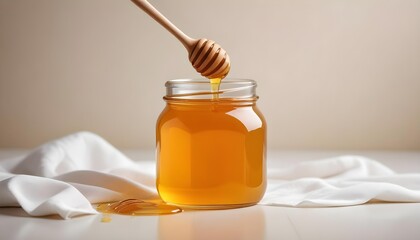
(215, 86)
(211, 154)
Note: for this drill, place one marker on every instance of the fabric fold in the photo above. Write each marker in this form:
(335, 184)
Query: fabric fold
(67, 175)
(339, 181)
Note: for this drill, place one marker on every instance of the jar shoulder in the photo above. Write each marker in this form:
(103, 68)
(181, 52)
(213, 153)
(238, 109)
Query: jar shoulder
(230, 117)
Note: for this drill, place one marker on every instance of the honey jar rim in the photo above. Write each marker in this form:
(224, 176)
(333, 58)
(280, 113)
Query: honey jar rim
(231, 89)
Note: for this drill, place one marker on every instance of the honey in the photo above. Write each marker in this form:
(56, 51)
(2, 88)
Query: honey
(106, 218)
(135, 207)
(215, 85)
(211, 146)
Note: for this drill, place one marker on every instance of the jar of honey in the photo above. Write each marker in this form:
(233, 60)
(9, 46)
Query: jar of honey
(211, 145)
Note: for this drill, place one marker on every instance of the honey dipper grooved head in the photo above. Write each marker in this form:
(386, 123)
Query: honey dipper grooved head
(209, 59)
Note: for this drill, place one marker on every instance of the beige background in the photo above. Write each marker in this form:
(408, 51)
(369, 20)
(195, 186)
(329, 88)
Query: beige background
(336, 74)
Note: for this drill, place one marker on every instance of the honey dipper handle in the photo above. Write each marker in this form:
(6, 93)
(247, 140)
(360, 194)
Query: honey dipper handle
(162, 20)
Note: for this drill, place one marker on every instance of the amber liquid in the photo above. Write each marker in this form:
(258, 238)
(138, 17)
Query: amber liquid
(135, 207)
(211, 154)
(215, 86)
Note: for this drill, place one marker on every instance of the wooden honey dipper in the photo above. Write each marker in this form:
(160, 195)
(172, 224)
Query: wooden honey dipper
(206, 56)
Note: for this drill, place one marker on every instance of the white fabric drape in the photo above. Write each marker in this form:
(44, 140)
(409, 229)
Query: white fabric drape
(66, 175)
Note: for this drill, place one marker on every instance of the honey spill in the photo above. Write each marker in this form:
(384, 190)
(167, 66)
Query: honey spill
(135, 207)
(106, 218)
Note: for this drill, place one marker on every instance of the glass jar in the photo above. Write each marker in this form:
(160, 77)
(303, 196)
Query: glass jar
(211, 146)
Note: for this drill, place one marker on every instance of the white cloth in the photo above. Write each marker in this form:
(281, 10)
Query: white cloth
(340, 181)
(66, 175)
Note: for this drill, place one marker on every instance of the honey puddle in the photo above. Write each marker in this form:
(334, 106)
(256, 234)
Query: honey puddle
(135, 207)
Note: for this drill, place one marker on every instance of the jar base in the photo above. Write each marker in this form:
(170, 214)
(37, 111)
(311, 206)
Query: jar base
(211, 207)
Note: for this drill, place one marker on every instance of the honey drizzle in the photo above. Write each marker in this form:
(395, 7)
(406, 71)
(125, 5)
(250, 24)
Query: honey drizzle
(135, 207)
(215, 87)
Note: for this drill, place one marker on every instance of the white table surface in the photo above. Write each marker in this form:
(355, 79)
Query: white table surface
(369, 221)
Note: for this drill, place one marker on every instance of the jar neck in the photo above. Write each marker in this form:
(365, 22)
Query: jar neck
(212, 102)
(201, 90)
